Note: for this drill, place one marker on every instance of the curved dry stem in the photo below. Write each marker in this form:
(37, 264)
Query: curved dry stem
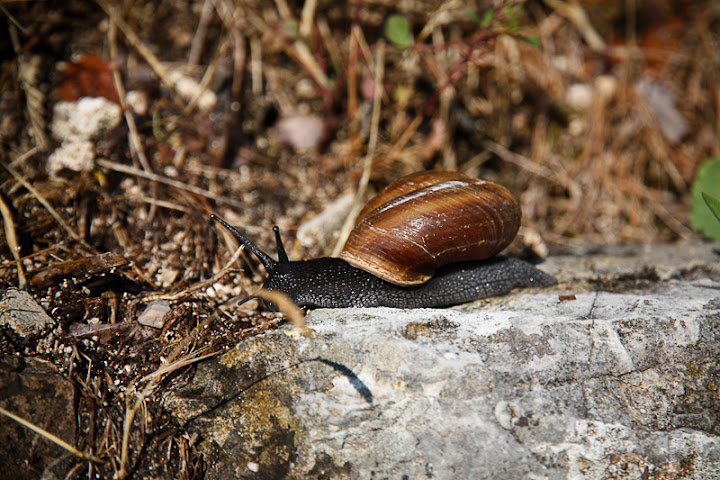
(53, 438)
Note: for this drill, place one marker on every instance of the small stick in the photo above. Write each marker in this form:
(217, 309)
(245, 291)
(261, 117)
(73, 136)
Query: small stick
(198, 42)
(153, 379)
(352, 89)
(135, 41)
(11, 240)
(53, 438)
(26, 257)
(372, 144)
(519, 160)
(576, 14)
(135, 142)
(306, 18)
(119, 167)
(256, 66)
(207, 78)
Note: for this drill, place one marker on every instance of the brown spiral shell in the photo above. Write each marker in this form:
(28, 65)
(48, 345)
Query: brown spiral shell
(430, 219)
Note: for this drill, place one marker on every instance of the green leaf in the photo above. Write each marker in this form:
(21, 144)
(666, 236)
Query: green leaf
(513, 13)
(397, 30)
(707, 184)
(713, 204)
(487, 18)
(472, 15)
(534, 41)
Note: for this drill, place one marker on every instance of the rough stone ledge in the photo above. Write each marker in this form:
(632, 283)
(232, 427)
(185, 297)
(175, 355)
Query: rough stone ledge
(610, 384)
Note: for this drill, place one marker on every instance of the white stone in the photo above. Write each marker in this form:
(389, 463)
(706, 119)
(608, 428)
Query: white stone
(84, 119)
(189, 89)
(154, 314)
(579, 96)
(74, 154)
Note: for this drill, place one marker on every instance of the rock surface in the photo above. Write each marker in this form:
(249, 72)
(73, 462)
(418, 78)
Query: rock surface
(21, 318)
(612, 374)
(33, 389)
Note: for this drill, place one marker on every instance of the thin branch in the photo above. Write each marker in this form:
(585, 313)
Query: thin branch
(53, 438)
(372, 144)
(11, 239)
(576, 14)
(153, 379)
(138, 45)
(519, 160)
(135, 142)
(119, 167)
(306, 18)
(196, 48)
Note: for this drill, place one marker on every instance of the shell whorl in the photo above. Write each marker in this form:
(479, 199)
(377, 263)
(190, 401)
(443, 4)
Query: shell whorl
(428, 220)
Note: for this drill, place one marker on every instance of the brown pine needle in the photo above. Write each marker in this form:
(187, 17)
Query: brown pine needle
(372, 144)
(119, 167)
(130, 412)
(139, 46)
(11, 240)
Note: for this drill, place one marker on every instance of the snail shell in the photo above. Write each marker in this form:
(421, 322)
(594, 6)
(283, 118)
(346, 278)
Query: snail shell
(428, 220)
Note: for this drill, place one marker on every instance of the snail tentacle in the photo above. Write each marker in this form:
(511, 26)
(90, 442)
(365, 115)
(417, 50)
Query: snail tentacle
(282, 255)
(264, 258)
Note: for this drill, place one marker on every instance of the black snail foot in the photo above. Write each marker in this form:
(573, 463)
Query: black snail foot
(332, 283)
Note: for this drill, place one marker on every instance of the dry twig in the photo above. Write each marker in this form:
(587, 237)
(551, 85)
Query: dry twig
(574, 12)
(372, 145)
(119, 167)
(53, 438)
(135, 142)
(198, 286)
(11, 239)
(152, 381)
(137, 44)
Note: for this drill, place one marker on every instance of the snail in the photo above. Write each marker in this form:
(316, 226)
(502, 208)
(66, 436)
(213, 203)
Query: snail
(427, 240)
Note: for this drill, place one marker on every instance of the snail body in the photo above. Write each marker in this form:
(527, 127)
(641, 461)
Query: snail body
(428, 240)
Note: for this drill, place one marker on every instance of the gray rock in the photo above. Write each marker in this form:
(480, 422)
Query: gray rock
(620, 381)
(33, 389)
(21, 317)
(154, 314)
